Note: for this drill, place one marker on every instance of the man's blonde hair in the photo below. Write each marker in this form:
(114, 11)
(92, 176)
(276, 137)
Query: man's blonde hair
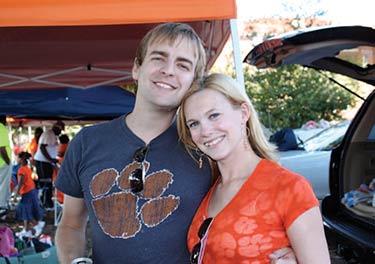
(172, 32)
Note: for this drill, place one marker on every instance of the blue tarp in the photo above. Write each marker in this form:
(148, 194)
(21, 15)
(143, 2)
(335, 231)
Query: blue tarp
(98, 103)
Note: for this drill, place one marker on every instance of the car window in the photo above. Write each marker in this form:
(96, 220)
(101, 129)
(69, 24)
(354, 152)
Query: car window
(371, 136)
(327, 139)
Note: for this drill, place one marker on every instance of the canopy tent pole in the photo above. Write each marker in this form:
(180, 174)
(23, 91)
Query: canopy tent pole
(236, 53)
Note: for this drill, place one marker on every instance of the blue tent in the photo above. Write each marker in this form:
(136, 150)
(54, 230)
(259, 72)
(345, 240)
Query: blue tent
(99, 103)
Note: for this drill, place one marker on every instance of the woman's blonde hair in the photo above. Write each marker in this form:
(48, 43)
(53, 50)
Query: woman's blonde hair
(235, 94)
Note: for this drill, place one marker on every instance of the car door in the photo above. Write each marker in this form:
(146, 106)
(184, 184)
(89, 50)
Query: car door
(352, 163)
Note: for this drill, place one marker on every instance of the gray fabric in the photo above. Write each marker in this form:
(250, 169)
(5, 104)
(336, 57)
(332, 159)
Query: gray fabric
(5, 177)
(127, 227)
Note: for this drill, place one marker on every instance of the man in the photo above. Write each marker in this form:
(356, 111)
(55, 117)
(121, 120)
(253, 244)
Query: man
(131, 176)
(5, 166)
(45, 160)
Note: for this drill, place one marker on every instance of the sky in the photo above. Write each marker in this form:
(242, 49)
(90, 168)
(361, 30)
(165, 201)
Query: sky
(341, 12)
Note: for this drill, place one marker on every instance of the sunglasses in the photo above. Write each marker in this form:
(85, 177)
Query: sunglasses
(137, 176)
(194, 257)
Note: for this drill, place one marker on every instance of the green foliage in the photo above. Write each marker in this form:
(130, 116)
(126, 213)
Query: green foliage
(130, 87)
(289, 96)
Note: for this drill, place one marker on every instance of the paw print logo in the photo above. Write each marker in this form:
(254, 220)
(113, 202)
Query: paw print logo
(121, 213)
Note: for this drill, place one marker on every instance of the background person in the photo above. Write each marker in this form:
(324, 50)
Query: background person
(5, 166)
(32, 148)
(64, 143)
(45, 160)
(255, 206)
(33, 145)
(28, 208)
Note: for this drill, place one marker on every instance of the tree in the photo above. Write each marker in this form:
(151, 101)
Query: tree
(289, 96)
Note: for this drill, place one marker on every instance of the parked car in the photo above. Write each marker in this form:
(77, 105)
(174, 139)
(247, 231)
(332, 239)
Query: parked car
(312, 157)
(352, 162)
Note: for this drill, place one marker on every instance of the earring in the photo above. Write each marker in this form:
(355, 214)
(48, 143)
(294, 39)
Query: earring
(246, 138)
(200, 160)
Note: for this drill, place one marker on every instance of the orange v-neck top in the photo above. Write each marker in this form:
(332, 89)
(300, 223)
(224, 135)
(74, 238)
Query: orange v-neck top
(254, 223)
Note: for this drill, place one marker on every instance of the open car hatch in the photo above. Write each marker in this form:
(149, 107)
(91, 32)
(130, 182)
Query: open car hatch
(317, 48)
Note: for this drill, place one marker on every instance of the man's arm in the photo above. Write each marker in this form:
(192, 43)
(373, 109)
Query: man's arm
(283, 256)
(71, 231)
(307, 238)
(43, 149)
(4, 155)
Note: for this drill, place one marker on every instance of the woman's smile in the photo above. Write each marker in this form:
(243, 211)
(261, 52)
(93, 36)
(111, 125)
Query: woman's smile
(213, 142)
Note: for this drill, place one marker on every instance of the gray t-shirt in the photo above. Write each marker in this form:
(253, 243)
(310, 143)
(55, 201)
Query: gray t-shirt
(150, 227)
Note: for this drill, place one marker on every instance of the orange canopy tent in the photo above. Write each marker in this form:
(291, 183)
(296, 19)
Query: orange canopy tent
(89, 43)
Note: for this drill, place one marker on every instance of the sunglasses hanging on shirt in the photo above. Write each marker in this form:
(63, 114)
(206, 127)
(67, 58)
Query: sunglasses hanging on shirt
(137, 176)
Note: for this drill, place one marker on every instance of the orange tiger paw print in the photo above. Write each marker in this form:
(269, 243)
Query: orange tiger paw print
(121, 213)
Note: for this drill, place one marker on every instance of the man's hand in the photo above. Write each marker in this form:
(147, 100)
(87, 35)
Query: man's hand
(283, 256)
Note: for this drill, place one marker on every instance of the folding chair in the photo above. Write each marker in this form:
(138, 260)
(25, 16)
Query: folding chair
(58, 202)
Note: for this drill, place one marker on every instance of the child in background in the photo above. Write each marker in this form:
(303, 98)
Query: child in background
(28, 208)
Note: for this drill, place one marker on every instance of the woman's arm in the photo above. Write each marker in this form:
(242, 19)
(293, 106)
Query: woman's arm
(307, 238)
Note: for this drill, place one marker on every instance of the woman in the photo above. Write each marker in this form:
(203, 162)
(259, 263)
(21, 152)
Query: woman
(255, 206)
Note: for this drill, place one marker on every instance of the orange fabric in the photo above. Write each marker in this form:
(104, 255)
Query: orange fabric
(59, 195)
(111, 12)
(254, 223)
(61, 151)
(33, 147)
(17, 149)
(28, 183)
(54, 174)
